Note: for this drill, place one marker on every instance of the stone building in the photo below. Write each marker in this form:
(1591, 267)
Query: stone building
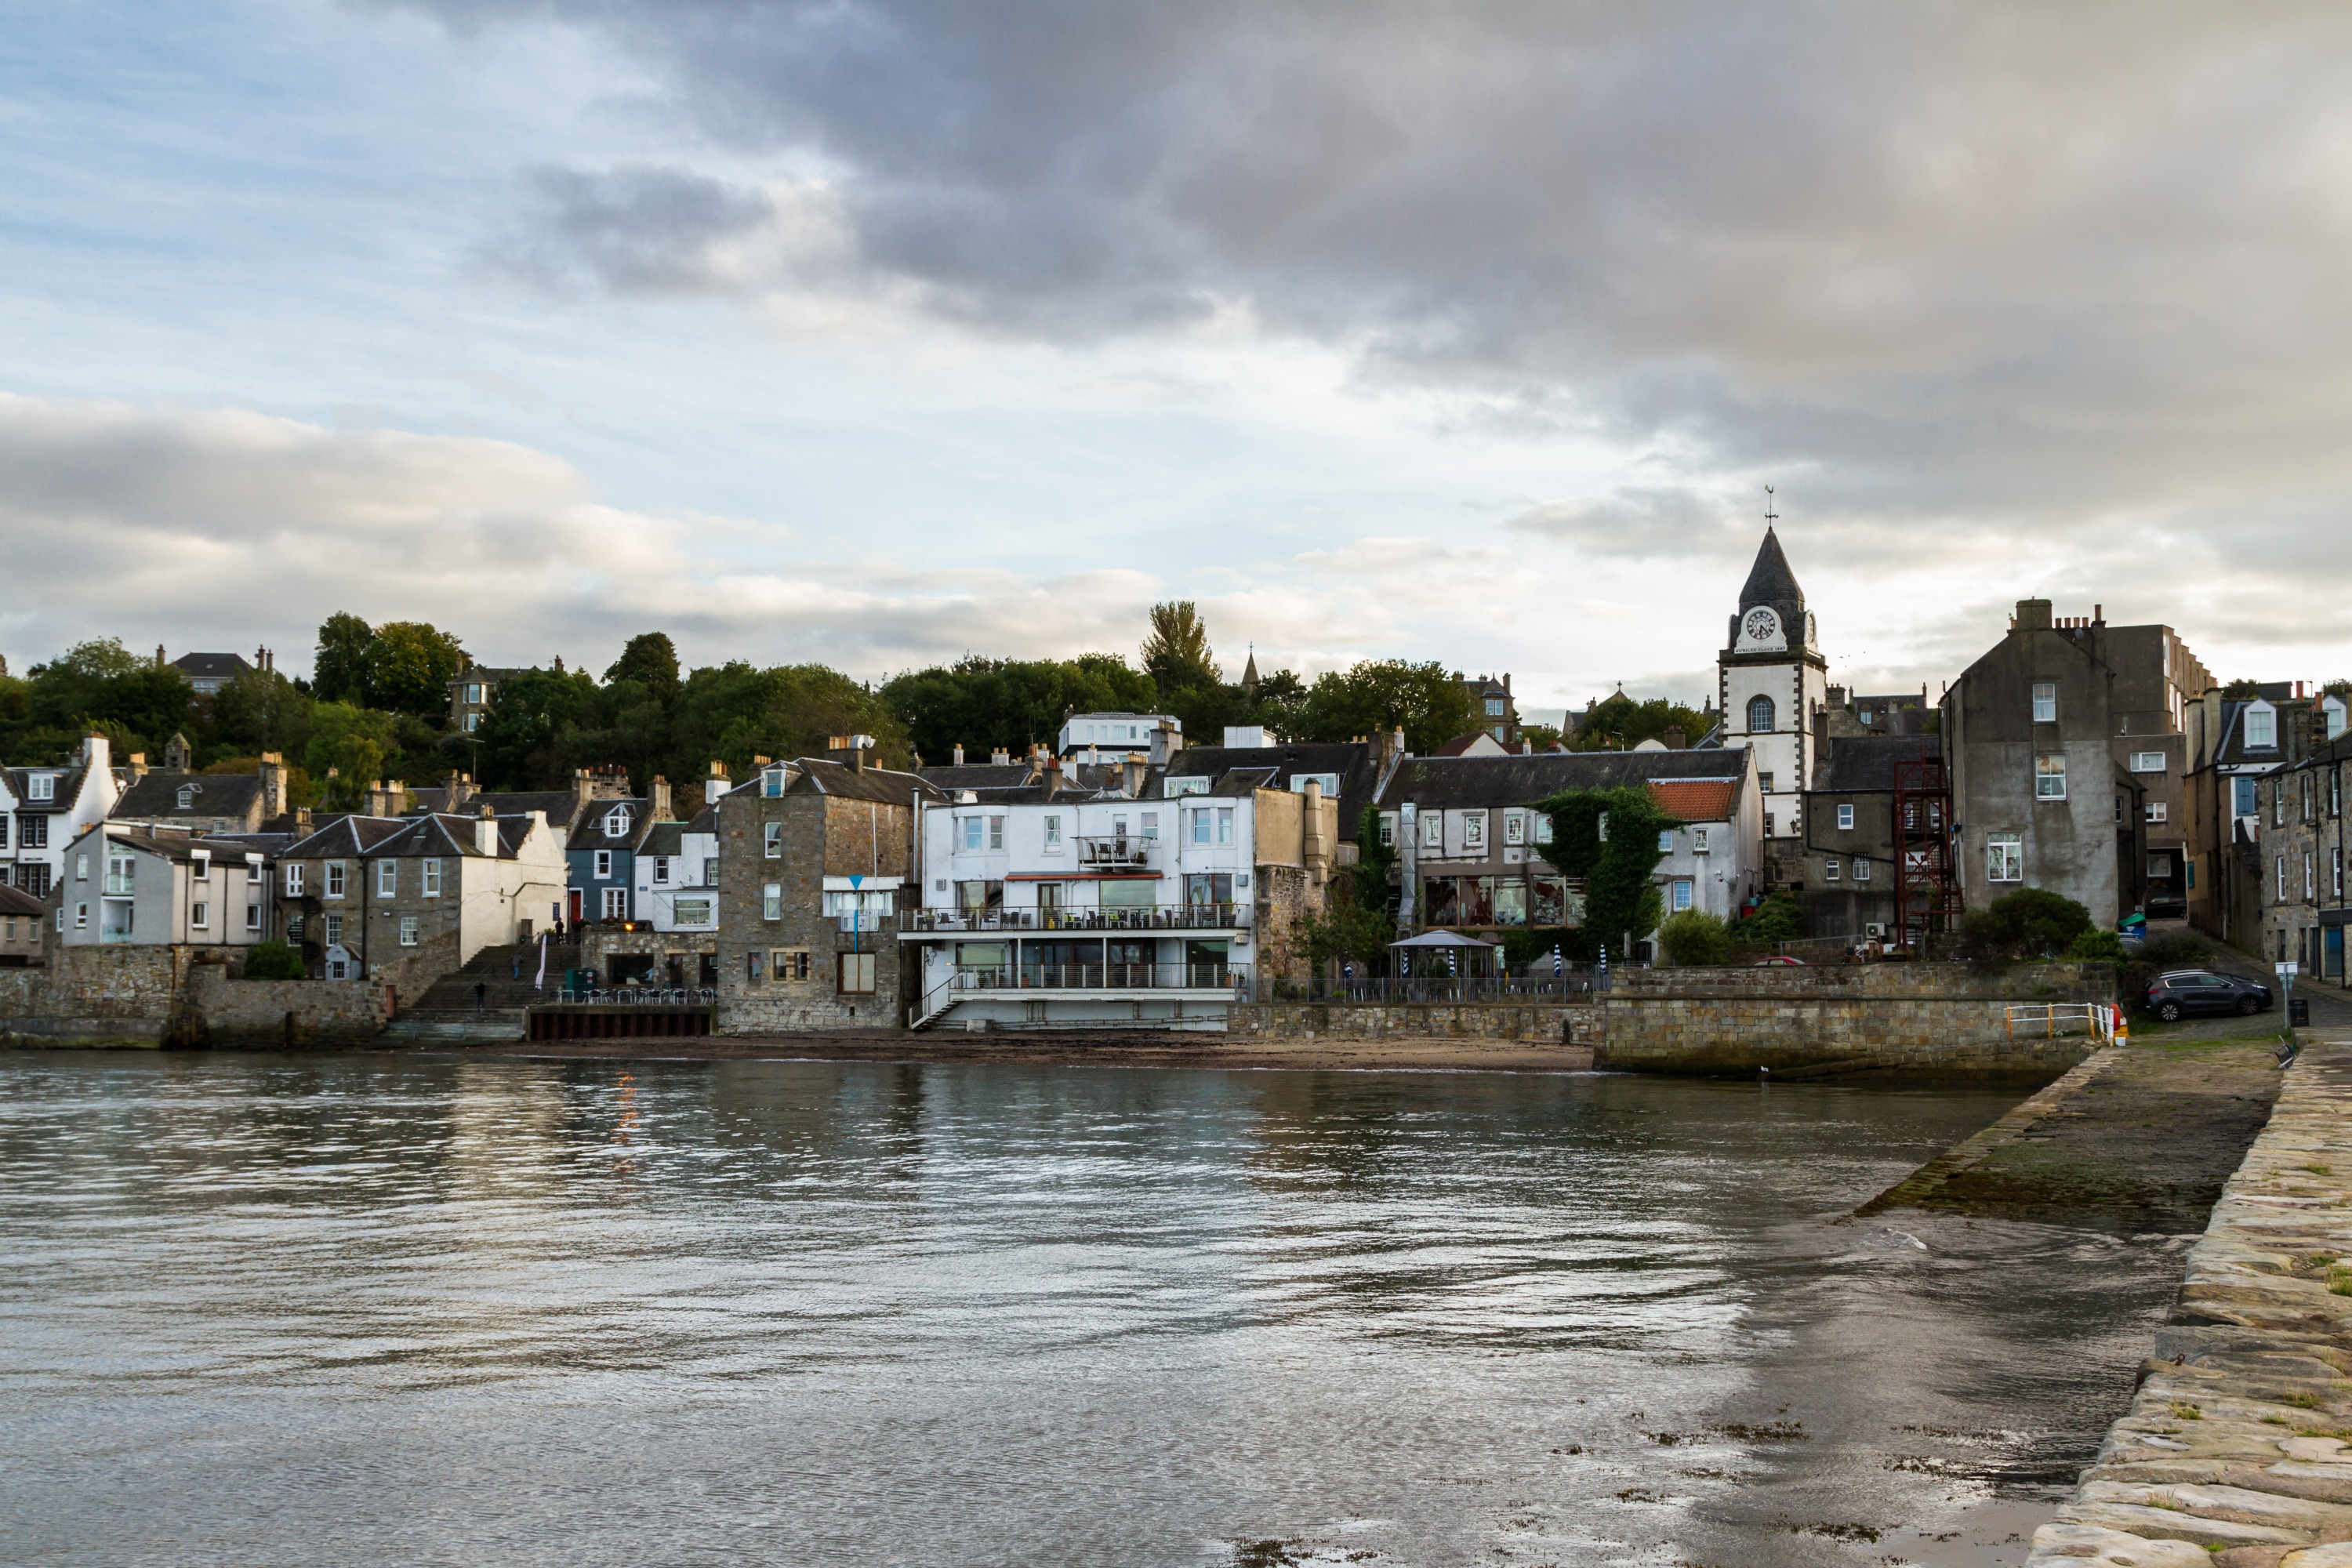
(814, 855)
(2232, 742)
(416, 896)
(2040, 796)
(2300, 857)
(23, 921)
(1851, 841)
(2159, 682)
(473, 691)
(1771, 678)
(206, 803)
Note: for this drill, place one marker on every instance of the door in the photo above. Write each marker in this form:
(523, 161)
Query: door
(579, 905)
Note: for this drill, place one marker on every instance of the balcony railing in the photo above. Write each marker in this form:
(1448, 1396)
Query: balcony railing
(640, 996)
(1099, 977)
(1115, 852)
(1159, 917)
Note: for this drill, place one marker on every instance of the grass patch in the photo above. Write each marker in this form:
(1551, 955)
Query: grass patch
(2186, 1412)
(2339, 1280)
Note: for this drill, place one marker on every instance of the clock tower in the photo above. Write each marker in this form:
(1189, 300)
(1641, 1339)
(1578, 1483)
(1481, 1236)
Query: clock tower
(1770, 680)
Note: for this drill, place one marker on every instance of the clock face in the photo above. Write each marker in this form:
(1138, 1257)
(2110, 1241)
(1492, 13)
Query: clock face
(1761, 626)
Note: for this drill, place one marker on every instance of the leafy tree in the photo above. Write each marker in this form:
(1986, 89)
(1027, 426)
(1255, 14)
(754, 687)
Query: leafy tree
(409, 667)
(1609, 838)
(353, 742)
(1694, 938)
(2032, 922)
(1542, 737)
(529, 735)
(1779, 917)
(981, 704)
(339, 670)
(1380, 695)
(735, 712)
(1359, 923)
(649, 661)
(260, 711)
(1176, 655)
(272, 959)
(1618, 724)
(2096, 946)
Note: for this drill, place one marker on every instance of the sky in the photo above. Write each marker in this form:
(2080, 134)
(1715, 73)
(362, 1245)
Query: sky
(878, 333)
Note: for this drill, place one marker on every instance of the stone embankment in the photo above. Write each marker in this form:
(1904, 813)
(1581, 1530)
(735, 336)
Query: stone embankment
(2238, 1447)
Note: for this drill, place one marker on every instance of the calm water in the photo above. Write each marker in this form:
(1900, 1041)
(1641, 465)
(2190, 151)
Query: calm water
(366, 1309)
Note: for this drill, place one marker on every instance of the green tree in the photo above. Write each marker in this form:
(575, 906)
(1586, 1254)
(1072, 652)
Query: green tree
(260, 711)
(1609, 838)
(2096, 946)
(356, 744)
(1378, 695)
(1618, 724)
(272, 959)
(736, 711)
(650, 661)
(1694, 938)
(981, 704)
(409, 667)
(100, 685)
(1778, 918)
(2032, 922)
(530, 734)
(1176, 654)
(1359, 925)
(339, 670)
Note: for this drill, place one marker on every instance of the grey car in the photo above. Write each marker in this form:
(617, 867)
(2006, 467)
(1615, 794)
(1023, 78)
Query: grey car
(2181, 991)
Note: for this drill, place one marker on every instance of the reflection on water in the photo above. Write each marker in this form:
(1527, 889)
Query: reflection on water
(373, 1310)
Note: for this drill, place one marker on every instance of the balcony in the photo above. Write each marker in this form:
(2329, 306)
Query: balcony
(1115, 852)
(1158, 917)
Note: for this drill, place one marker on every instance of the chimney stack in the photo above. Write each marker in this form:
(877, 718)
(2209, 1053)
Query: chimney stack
(273, 784)
(661, 806)
(1674, 737)
(716, 784)
(958, 753)
(1000, 758)
(583, 790)
(137, 766)
(2032, 616)
(486, 832)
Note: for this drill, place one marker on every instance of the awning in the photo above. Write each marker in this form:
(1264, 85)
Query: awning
(1443, 939)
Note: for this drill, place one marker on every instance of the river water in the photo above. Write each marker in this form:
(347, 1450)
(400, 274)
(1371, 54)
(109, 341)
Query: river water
(380, 1309)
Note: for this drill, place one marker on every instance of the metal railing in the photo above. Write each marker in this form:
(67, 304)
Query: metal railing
(1097, 978)
(1157, 917)
(1115, 851)
(1574, 981)
(2054, 1020)
(641, 996)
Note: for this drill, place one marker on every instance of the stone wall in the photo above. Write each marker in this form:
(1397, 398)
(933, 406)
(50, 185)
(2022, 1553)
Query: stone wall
(798, 983)
(285, 1013)
(600, 944)
(1945, 1017)
(143, 995)
(1545, 1021)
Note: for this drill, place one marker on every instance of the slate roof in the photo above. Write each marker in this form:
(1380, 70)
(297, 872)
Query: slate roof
(173, 843)
(821, 775)
(705, 821)
(1770, 581)
(555, 803)
(68, 788)
(443, 834)
(1450, 782)
(217, 666)
(1356, 762)
(15, 902)
(977, 775)
(662, 838)
(1696, 800)
(2233, 749)
(349, 834)
(1864, 763)
(156, 798)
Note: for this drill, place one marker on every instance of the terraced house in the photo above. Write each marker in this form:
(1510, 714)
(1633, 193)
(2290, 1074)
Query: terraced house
(137, 885)
(2301, 856)
(43, 809)
(415, 897)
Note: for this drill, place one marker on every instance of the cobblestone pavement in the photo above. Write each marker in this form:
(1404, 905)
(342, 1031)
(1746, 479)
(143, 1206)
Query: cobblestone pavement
(2235, 1450)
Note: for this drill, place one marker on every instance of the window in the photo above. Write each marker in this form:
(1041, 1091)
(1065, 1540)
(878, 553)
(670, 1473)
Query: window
(1330, 783)
(2050, 775)
(432, 875)
(2278, 803)
(4, 830)
(1052, 834)
(473, 723)
(771, 901)
(1225, 825)
(1474, 831)
(1682, 894)
(1543, 830)
(1860, 869)
(997, 833)
(473, 691)
(971, 826)
(294, 881)
(2157, 810)
(2310, 878)
(1515, 827)
(661, 870)
(856, 974)
(1845, 817)
(32, 832)
(1203, 827)
(603, 864)
(1764, 782)
(252, 917)
(200, 915)
(790, 963)
(2282, 879)
(1666, 841)
(616, 822)
(754, 963)
(387, 878)
(2159, 865)
(2004, 858)
(186, 796)
(691, 912)
(1175, 787)
(1388, 829)
(200, 867)
(1152, 826)
(2242, 798)
(2147, 762)
(41, 786)
(2045, 702)
(1698, 840)
(1759, 715)
(121, 872)
(1433, 831)
(616, 903)
(334, 924)
(408, 930)
(772, 783)
(1829, 870)
(81, 917)
(2336, 874)
(1494, 708)
(2261, 727)
(253, 869)
(335, 875)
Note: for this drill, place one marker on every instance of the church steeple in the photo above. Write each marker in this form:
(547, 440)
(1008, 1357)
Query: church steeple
(1249, 673)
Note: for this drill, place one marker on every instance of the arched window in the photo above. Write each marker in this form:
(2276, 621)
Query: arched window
(1759, 715)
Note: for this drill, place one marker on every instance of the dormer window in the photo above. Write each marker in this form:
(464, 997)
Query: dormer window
(2262, 726)
(616, 823)
(187, 796)
(41, 786)
(772, 783)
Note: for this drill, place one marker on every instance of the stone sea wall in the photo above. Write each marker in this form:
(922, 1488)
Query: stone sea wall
(1552, 1022)
(2234, 1450)
(142, 995)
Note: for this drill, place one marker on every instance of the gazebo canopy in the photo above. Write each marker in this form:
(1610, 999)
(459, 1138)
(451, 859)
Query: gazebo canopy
(1439, 939)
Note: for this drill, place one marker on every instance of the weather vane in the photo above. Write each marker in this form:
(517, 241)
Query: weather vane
(1771, 517)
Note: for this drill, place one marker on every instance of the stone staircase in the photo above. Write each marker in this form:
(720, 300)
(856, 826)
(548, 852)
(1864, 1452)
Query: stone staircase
(447, 1013)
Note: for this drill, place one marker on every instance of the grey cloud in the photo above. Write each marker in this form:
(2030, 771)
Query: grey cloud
(2028, 265)
(633, 231)
(1640, 523)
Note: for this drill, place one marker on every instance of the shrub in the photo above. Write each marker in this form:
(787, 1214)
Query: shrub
(1777, 919)
(2174, 949)
(1695, 937)
(2096, 946)
(2032, 922)
(273, 960)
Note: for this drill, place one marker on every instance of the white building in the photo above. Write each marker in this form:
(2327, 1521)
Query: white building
(1771, 679)
(43, 810)
(1120, 732)
(131, 883)
(1045, 905)
(678, 875)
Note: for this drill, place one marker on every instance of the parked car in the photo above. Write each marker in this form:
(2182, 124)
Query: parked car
(1778, 959)
(2185, 991)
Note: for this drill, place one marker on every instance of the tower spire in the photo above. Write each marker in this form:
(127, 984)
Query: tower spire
(1771, 517)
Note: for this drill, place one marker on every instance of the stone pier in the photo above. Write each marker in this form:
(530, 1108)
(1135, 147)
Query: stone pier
(2238, 1447)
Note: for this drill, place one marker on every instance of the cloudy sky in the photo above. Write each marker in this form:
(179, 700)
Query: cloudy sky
(876, 333)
